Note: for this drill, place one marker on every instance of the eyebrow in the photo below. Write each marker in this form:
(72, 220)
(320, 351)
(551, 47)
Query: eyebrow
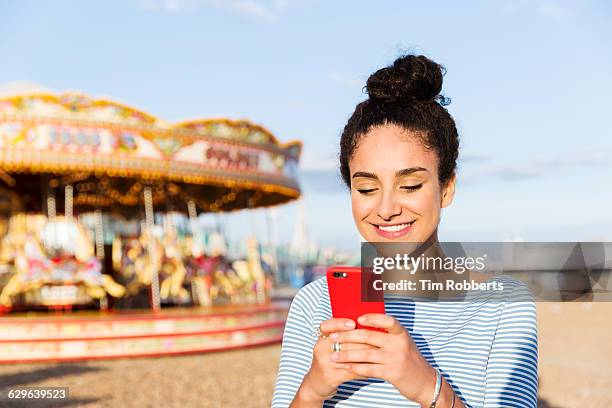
(399, 173)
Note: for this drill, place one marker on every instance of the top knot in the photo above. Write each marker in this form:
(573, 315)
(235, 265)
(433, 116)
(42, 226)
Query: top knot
(411, 78)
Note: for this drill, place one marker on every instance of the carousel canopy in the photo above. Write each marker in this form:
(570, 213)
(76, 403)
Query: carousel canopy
(109, 152)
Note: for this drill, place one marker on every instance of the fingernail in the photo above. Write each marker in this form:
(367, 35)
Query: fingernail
(350, 323)
(361, 319)
(335, 356)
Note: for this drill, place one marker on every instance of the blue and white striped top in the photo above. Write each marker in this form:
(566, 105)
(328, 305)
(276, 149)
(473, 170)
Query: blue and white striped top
(485, 345)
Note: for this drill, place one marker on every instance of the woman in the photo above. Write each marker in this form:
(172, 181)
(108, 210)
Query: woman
(398, 156)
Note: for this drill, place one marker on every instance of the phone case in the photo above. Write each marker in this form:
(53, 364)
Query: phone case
(345, 295)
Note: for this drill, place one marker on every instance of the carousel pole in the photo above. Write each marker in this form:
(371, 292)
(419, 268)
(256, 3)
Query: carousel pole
(68, 203)
(51, 208)
(51, 214)
(195, 235)
(148, 202)
(199, 289)
(259, 279)
(99, 234)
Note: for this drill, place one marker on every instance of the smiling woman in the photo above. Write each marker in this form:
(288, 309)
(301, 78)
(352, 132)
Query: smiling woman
(396, 205)
(398, 156)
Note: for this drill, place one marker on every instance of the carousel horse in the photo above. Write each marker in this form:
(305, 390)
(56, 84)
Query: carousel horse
(173, 272)
(200, 273)
(28, 244)
(134, 261)
(251, 272)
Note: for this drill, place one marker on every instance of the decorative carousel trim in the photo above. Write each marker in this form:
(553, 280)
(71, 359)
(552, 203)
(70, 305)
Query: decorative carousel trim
(238, 122)
(290, 149)
(68, 100)
(149, 123)
(19, 161)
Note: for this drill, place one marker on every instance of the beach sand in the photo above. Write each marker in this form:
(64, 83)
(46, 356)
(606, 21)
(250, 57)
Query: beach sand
(575, 365)
(575, 354)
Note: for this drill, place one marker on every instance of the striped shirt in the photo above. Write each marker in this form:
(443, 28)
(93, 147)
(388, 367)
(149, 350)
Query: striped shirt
(486, 346)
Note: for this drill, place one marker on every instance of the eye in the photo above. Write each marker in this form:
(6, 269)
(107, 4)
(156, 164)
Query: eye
(412, 188)
(366, 191)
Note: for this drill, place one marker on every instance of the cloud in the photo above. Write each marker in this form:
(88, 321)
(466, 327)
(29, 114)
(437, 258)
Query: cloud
(500, 172)
(554, 9)
(487, 168)
(170, 6)
(578, 159)
(511, 173)
(268, 11)
(21, 87)
(257, 9)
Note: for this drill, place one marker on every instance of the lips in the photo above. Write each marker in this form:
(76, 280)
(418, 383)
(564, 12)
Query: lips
(392, 231)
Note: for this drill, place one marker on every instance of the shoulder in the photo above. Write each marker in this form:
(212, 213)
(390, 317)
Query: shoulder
(310, 297)
(518, 313)
(507, 302)
(515, 290)
(305, 310)
(502, 289)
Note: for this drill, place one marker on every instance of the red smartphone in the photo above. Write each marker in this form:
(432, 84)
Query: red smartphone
(344, 284)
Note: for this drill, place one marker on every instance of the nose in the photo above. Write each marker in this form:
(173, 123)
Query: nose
(388, 207)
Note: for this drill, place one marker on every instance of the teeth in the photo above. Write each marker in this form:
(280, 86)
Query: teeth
(394, 228)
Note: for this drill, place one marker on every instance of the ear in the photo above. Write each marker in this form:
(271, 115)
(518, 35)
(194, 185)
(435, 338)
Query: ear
(448, 192)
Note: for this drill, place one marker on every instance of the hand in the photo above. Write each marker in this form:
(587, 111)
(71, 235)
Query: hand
(392, 356)
(325, 375)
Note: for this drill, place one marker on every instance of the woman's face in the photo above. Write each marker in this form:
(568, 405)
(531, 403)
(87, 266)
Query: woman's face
(395, 192)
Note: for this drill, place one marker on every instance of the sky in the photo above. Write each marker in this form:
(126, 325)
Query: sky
(530, 84)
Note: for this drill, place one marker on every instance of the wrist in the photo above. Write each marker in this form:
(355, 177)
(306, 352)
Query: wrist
(424, 399)
(445, 397)
(420, 386)
(306, 398)
(307, 394)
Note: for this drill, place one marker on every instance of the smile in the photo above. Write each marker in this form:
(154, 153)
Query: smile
(393, 231)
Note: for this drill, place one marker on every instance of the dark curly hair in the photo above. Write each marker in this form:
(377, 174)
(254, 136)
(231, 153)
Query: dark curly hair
(406, 94)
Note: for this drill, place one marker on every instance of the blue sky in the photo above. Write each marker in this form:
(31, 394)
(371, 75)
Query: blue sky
(530, 83)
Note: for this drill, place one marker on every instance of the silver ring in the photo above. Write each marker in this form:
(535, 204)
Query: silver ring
(319, 333)
(337, 347)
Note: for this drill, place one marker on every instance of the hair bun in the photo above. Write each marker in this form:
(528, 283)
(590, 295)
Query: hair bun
(411, 78)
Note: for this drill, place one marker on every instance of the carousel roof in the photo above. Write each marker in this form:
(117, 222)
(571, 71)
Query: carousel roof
(110, 150)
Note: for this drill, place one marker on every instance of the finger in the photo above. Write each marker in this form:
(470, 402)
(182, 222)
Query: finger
(367, 370)
(382, 321)
(365, 336)
(327, 345)
(356, 346)
(359, 356)
(337, 324)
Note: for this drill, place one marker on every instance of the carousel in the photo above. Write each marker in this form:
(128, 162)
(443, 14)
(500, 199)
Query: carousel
(100, 206)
